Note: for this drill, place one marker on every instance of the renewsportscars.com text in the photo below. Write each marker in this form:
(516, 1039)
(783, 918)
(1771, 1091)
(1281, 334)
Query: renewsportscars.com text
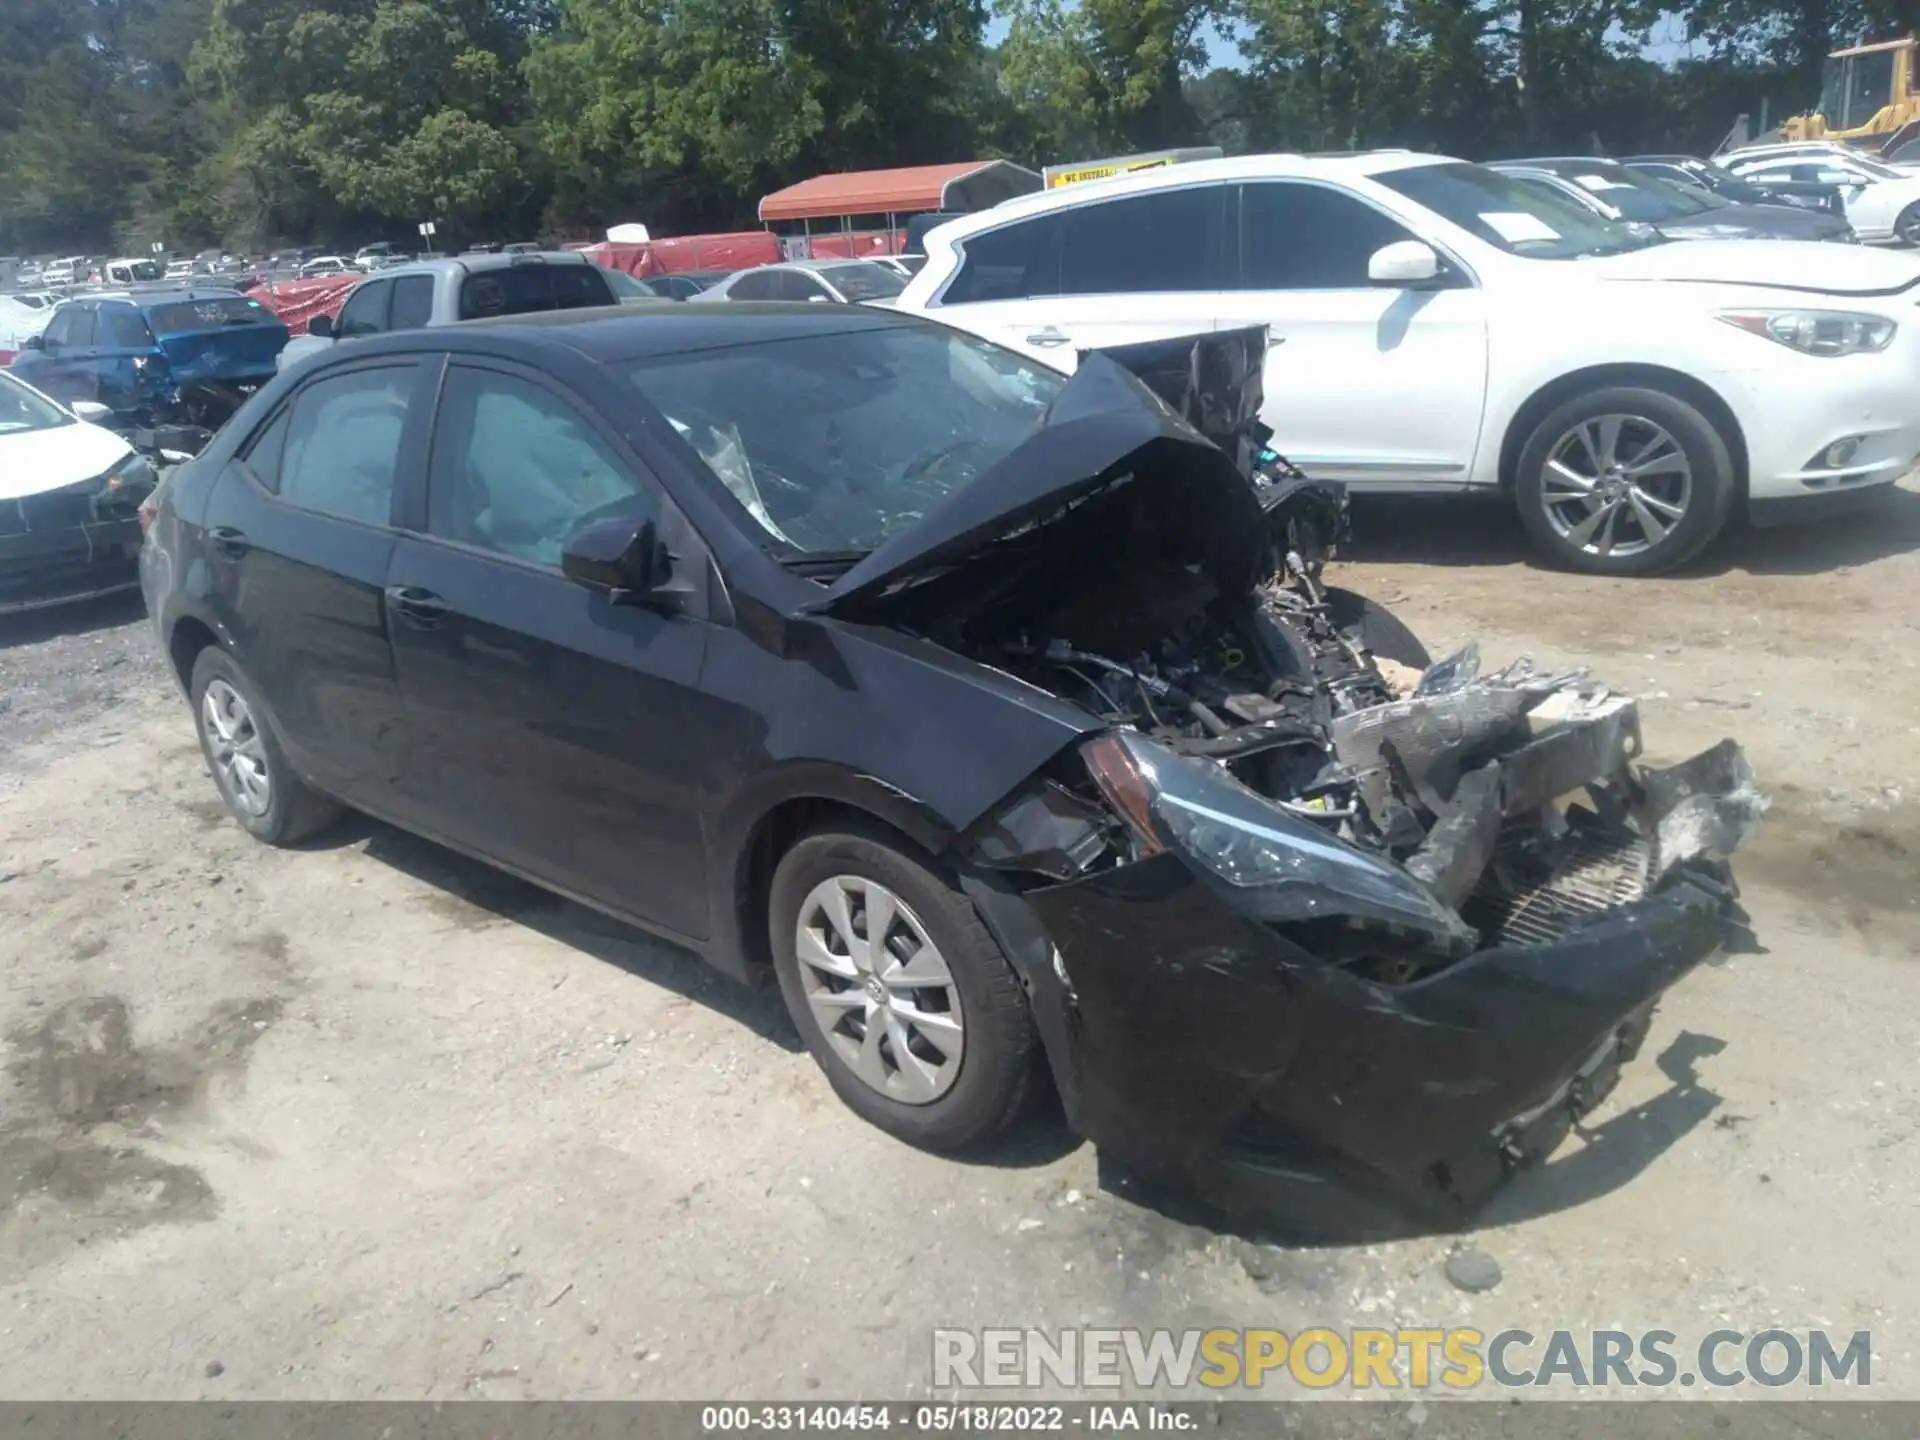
(1381, 1359)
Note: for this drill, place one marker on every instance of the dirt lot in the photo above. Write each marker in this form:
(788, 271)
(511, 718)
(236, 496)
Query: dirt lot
(369, 1121)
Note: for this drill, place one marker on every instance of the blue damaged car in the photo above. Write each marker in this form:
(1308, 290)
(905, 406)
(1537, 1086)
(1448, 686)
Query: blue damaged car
(172, 357)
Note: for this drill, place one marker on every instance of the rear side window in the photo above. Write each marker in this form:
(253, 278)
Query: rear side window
(121, 328)
(1015, 262)
(183, 316)
(1168, 241)
(344, 443)
(523, 289)
(1307, 237)
(759, 286)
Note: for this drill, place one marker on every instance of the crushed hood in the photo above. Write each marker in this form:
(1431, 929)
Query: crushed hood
(1776, 264)
(1107, 436)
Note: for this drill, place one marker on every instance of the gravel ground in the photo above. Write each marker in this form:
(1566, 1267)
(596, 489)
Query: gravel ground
(366, 1120)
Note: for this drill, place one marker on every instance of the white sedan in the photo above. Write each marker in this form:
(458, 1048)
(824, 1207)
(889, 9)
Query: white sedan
(1442, 327)
(840, 282)
(1882, 202)
(22, 315)
(70, 494)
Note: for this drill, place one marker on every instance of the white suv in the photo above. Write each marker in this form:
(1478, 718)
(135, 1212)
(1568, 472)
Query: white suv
(1448, 328)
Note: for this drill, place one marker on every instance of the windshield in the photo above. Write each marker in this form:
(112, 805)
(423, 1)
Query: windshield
(1867, 90)
(22, 409)
(1507, 212)
(142, 269)
(836, 443)
(183, 317)
(864, 281)
(1727, 185)
(1635, 196)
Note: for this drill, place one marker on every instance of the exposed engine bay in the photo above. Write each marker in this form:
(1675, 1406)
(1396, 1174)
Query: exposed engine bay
(1511, 797)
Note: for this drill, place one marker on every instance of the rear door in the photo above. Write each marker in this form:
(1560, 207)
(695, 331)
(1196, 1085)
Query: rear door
(299, 536)
(1141, 267)
(125, 346)
(1379, 386)
(551, 729)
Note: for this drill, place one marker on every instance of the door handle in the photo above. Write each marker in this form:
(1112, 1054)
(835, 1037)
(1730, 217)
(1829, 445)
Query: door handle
(228, 541)
(1047, 338)
(420, 608)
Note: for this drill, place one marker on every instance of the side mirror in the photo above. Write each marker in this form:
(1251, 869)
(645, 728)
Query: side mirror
(631, 567)
(34, 342)
(1405, 262)
(322, 326)
(92, 411)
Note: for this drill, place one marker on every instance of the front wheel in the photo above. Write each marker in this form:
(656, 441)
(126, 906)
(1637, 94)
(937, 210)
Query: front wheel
(900, 993)
(1907, 227)
(1624, 480)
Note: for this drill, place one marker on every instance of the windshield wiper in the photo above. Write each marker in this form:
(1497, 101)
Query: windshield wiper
(821, 562)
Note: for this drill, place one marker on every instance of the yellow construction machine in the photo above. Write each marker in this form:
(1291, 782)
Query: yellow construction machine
(1869, 98)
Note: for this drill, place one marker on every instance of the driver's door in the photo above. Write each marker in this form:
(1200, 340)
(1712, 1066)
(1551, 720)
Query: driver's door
(548, 728)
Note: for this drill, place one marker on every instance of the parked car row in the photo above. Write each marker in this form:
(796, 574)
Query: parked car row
(1449, 327)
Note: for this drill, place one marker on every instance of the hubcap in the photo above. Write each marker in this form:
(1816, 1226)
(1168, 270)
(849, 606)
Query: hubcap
(1616, 485)
(239, 760)
(879, 989)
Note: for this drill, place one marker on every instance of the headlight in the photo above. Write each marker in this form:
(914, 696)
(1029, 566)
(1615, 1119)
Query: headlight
(1289, 868)
(130, 475)
(1817, 332)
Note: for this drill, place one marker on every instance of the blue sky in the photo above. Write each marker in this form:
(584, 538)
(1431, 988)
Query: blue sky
(1668, 43)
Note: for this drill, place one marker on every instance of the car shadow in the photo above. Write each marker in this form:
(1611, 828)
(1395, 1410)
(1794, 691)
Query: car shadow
(472, 895)
(78, 617)
(1480, 531)
(1601, 1159)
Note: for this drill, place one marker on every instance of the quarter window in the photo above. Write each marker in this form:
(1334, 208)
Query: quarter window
(344, 443)
(1308, 237)
(517, 470)
(263, 453)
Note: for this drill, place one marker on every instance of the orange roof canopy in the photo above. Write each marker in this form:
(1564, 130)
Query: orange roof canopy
(877, 192)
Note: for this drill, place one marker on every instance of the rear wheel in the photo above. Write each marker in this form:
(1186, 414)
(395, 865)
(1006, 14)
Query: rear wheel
(901, 995)
(1624, 480)
(248, 767)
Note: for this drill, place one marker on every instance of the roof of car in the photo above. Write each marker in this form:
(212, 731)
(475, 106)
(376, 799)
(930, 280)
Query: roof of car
(177, 296)
(1554, 162)
(476, 264)
(612, 334)
(1236, 167)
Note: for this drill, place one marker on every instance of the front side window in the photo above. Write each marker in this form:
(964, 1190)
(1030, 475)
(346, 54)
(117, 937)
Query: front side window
(1144, 244)
(344, 443)
(1501, 211)
(365, 312)
(835, 443)
(59, 331)
(517, 470)
(1308, 237)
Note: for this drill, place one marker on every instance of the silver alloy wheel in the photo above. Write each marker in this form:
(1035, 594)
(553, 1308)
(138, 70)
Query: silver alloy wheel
(1908, 225)
(879, 989)
(239, 759)
(1616, 485)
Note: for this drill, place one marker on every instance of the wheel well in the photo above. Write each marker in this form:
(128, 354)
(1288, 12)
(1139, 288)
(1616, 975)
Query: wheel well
(1652, 377)
(773, 835)
(184, 645)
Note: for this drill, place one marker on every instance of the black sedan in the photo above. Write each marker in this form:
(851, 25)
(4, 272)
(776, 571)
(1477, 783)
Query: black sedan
(1622, 192)
(1003, 717)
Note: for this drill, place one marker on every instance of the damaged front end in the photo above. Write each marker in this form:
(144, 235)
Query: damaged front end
(1330, 935)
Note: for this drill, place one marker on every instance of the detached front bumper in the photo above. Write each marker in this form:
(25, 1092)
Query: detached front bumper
(1221, 1053)
(60, 565)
